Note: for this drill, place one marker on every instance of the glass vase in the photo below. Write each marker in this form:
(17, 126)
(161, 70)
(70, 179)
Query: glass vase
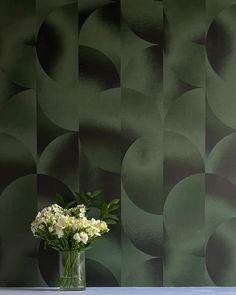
(72, 271)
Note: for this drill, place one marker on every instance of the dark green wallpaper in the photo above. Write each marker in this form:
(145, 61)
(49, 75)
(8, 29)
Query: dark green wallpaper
(134, 97)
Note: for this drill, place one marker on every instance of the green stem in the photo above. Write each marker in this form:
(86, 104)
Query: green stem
(68, 279)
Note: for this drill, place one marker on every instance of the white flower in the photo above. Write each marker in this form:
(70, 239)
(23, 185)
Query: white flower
(54, 223)
(82, 209)
(104, 227)
(93, 231)
(59, 231)
(84, 237)
(39, 215)
(83, 222)
(95, 222)
(60, 234)
(51, 229)
(62, 221)
(75, 226)
(33, 229)
(77, 238)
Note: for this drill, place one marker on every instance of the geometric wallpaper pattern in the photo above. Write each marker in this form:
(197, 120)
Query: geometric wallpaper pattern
(137, 98)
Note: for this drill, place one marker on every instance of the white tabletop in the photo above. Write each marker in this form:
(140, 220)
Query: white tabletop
(123, 291)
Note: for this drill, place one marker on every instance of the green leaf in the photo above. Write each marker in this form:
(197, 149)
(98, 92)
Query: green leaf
(70, 204)
(115, 201)
(59, 200)
(113, 207)
(82, 198)
(110, 221)
(104, 210)
(95, 194)
(114, 217)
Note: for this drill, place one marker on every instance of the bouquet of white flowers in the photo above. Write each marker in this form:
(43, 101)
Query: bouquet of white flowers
(67, 229)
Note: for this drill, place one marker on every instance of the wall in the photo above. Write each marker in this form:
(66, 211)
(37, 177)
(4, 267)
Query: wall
(136, 98)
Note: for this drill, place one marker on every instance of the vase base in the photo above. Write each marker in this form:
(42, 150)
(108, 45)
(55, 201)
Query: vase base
(73, 289)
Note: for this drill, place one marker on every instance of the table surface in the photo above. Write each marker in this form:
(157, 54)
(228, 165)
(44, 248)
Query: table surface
(124, 291)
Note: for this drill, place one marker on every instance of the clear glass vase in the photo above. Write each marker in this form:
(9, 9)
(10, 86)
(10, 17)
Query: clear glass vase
(72, 271)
